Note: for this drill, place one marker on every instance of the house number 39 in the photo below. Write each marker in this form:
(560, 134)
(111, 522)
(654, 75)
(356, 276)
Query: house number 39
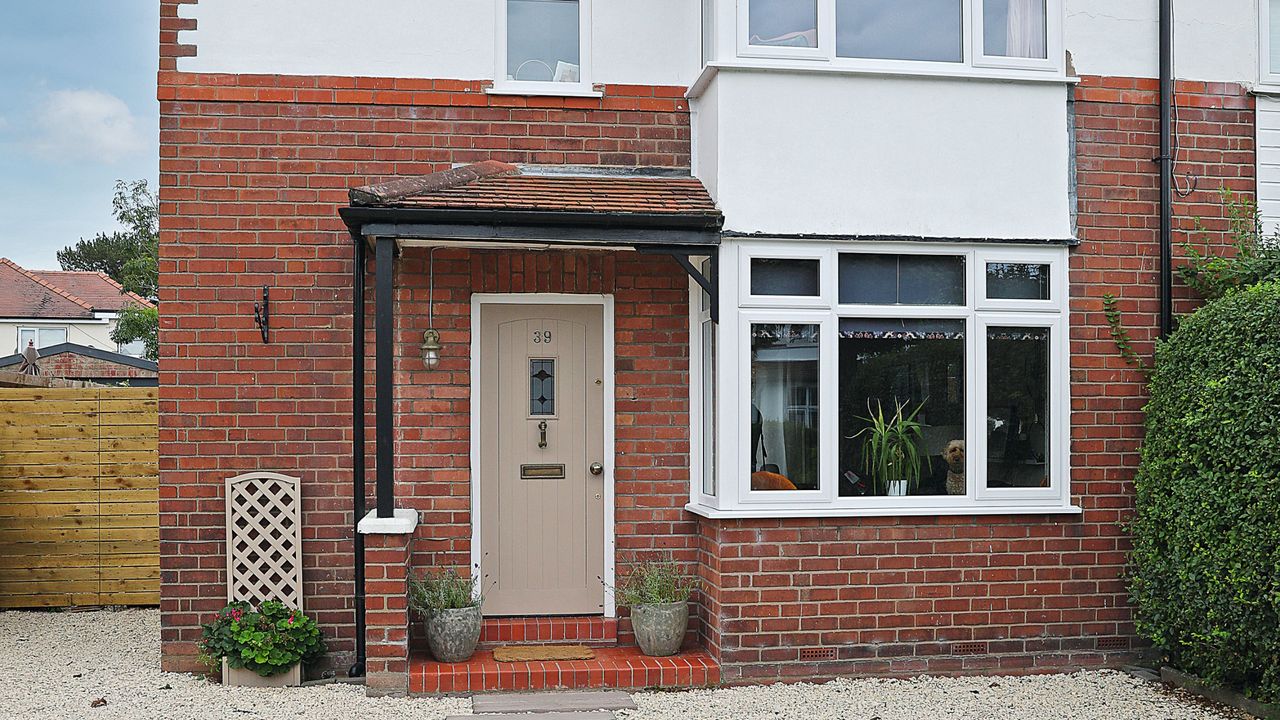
(542, 336)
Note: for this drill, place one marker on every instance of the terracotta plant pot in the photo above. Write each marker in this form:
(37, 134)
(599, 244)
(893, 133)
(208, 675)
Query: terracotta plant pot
(660, 629)
(239, 677)
(452, 635)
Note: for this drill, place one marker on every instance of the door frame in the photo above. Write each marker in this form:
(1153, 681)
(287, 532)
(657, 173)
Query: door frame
(478, 300)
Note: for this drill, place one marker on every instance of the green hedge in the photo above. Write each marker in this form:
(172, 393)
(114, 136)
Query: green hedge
(1206, 556)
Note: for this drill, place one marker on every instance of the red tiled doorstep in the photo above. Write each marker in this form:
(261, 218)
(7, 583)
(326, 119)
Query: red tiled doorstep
(586, 630)
(613, 667)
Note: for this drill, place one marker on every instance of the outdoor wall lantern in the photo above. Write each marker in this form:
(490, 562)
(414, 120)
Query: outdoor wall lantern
(431, 348)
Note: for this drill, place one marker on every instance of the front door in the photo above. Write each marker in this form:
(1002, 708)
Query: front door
(541, 458)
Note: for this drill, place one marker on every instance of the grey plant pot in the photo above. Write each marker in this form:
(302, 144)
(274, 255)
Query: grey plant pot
(452, 635)
(660, 628)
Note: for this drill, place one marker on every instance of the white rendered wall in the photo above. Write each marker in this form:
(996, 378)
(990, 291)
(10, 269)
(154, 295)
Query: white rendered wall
(1215, 40)
(801, 153)
(92, 334)
(654, 42)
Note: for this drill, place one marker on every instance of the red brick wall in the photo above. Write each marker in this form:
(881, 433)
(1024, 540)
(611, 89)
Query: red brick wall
(253, 170)
(897, 596)
(72, 366)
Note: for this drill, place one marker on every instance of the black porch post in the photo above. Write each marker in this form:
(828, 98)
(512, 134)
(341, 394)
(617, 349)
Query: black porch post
(357, 441)
(384, 386)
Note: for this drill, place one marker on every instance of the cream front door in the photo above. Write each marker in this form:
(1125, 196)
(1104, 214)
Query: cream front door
(541, 458)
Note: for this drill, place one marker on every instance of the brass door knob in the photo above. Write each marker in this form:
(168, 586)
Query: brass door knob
(596, 468)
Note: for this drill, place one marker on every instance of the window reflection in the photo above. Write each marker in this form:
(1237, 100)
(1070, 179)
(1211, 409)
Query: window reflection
(1017, 407)
(783, 23)
(542, 41)
(916, 365)
(784, 407)
(900, 29)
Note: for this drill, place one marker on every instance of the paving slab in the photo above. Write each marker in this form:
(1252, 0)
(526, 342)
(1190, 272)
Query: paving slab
(549, 702)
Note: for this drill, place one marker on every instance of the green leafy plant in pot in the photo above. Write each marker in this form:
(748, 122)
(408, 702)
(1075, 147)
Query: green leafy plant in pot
(891, 449)
(658, 592)
(262, 647)
(449, 606)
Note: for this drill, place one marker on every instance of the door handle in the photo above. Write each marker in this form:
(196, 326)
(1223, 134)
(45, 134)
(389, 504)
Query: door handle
(596, 468)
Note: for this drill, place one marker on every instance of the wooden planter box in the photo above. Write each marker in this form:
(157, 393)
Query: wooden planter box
(239, 677)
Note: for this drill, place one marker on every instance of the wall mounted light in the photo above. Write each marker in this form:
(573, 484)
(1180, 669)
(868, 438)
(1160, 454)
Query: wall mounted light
(431, 348)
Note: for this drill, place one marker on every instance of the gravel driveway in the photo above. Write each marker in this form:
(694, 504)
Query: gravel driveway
(53, 665)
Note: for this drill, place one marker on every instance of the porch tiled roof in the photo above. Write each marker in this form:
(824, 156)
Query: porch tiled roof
(496, 186)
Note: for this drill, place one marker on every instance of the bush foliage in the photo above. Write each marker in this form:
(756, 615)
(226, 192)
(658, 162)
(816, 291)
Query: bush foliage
(1206, 557)
(268, 641)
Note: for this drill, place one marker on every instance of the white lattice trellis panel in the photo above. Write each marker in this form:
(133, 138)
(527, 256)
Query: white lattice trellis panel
(264, 539)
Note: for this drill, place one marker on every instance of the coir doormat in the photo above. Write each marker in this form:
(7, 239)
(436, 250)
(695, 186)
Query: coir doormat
(529, 653)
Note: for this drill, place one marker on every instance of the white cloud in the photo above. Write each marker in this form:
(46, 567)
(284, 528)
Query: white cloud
(86, 125)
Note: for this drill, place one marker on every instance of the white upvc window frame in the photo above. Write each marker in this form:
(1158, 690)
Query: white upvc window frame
(582, 88)
(973, 60)
(1268, 77)
(1054, 47)
(739, 310)
(699, 443)
(1059, 433)
(826, 491)
(826, 286)
(826, 40)
(35, 331)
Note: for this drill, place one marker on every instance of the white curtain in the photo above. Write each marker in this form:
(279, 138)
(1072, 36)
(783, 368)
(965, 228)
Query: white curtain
(1026, 30)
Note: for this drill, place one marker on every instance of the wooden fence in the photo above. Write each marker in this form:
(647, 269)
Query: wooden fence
(78, 497)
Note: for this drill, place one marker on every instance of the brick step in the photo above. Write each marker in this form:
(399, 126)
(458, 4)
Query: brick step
(593, 630)
(622, 668)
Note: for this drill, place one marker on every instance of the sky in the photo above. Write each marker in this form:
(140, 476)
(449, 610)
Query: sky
(78, 112)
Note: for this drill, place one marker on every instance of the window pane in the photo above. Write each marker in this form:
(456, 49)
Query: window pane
(1014, 28)
(1017, 407)
(542, 40)
(783, 23)
(867, 279)
(784, 277)
(900, 29)
(542, 387)
(51, 336)
(1275, 35)
(708, 407)
(784, 407)
(1017, 281)
(915, 365)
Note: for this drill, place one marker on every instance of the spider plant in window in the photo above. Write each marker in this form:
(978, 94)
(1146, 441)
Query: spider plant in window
(891, 449)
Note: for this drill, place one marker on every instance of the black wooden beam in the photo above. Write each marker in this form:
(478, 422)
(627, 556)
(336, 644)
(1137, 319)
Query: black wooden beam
(681, 254)
(384, 385)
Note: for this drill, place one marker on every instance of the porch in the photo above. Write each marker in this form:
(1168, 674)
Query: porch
(528, 329)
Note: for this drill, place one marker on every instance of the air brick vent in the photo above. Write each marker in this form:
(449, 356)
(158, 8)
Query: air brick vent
(1113, 643)
(815, 654)
(969, 648)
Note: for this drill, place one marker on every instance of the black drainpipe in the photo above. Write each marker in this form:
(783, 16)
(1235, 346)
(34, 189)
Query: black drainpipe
(1166, 167)
(357, 443)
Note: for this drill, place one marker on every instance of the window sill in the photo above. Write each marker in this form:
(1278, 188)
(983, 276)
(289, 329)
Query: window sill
(846, 512)
(960, 72)
(542, 90)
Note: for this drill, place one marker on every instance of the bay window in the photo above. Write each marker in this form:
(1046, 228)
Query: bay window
(922, 36)
(882, 379)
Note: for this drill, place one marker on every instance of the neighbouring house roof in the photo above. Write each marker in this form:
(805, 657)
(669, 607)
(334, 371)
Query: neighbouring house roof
(59, 295)
(26, 295)
(95, 288)
(499, 202)
(86, 351)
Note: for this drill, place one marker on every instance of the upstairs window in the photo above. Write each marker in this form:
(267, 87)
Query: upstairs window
(43, 337)
(906, 35)
(543, 46)
(1269, 42)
